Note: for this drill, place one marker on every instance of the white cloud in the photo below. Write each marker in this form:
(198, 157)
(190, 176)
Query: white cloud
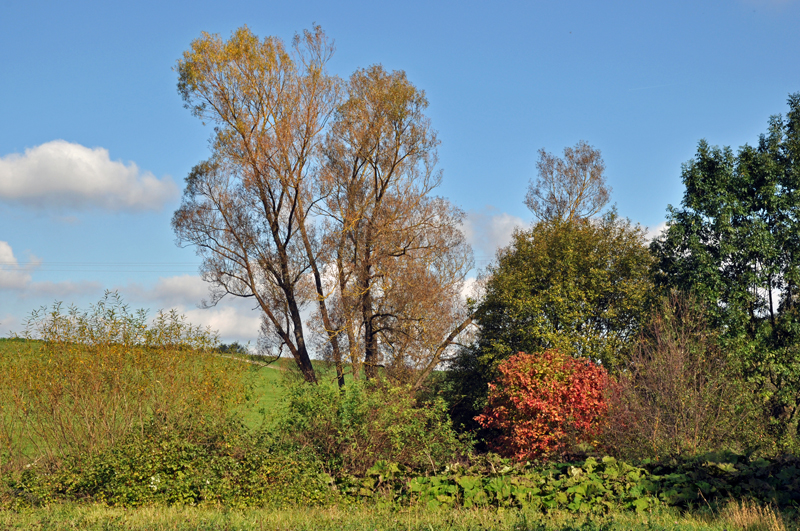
(473, 288)
(170, 292)
(19, 278)
(9, 325)
(233, 322)
(66, 175)
(489, 230)
(12, 275)
(232, 318)
(655, 231)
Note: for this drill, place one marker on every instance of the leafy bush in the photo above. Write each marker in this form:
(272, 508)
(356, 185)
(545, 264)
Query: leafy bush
(590, 486)
(545, 403)
(223, 464)
(677, 394)
(350, 430)
(85, 380)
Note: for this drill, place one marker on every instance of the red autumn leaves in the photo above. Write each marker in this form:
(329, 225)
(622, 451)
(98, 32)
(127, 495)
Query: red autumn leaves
(543, 404)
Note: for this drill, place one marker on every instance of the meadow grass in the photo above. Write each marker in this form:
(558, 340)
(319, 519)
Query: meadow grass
(265, 383)
(266, 386)
(73, 397)
(363, 518)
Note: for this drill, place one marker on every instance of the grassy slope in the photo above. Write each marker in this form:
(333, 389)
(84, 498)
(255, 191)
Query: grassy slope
(264, 380)
(265, 383)
(266, 386)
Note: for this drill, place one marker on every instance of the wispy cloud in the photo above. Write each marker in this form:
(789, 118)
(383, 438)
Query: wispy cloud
(233, 322)
(233, 319)
(9, 325)
(70, 176)
(170, 292)
(655, 231)
(62, 291)
(488, 230)
(12, 275)
(18, 278)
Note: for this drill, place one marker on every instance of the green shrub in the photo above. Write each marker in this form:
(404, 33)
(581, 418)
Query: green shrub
(222, 464)
(350, 430)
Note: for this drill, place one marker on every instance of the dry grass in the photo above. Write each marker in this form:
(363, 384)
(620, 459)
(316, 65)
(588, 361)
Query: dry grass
(749, 516)
(346, 518)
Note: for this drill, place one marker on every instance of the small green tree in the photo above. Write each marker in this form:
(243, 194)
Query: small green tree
(578, 286)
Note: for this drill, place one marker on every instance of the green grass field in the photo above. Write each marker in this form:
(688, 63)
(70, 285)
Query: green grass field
(366, 518)
(266, 381)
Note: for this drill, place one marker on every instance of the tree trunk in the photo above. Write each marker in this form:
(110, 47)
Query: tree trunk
(367, 313)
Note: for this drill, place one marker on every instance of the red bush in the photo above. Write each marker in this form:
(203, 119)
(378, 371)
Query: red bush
(545, 403)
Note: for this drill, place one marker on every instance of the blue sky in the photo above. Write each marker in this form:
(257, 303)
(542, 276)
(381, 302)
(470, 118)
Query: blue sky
(95, 142)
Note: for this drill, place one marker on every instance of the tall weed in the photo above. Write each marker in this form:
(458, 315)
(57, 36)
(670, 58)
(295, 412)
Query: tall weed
(85, 379)
(753, 517)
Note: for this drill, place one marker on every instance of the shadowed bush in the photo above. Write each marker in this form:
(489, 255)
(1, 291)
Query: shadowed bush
(677, 394)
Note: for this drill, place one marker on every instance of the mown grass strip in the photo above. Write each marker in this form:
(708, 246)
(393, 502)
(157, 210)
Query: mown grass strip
(347, 518)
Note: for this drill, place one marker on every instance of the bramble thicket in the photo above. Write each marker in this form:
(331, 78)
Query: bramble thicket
(667, 372)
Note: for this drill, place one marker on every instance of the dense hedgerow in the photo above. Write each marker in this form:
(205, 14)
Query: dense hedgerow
(590, 486)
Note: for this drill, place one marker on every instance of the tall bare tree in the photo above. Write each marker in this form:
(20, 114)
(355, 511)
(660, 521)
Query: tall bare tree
(569, 188)
(248, 209)
(318, 194)
(401, 257)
